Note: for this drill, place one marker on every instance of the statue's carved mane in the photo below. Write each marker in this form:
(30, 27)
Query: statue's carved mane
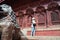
(8, 22)
(8, 11)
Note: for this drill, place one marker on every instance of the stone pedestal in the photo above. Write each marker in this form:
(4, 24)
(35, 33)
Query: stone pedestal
(16, 34)
(7, 33)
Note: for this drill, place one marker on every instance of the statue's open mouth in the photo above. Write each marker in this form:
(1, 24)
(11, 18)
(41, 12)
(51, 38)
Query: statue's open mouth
(3, 14)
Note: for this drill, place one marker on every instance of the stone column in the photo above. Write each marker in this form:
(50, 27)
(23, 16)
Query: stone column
(49, 18)
(45, 17)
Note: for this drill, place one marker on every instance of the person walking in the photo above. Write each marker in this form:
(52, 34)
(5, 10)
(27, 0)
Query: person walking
(33, 26)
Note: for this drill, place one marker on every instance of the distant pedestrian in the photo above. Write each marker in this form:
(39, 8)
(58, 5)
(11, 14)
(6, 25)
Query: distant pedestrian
(33, 26)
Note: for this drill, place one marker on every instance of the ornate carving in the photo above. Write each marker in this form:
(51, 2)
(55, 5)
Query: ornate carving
(53, 6)
(29, 11)
(40, 9)
(55, 16)
(20, 14)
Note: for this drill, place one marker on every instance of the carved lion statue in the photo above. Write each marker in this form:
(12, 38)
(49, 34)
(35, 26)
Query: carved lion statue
(7, 22)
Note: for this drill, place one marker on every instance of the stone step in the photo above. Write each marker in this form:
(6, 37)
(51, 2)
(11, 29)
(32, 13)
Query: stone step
(42, 37)
(43, 31)
(53, 27)
(51, 33)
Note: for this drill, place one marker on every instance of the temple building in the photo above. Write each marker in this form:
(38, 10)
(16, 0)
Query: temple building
(46, 13)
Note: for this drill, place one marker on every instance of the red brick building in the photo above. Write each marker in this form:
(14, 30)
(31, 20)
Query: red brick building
(46, 13)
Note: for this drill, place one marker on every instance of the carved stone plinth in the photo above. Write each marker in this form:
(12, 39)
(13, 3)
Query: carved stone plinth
(16, 34)
(7, 33)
